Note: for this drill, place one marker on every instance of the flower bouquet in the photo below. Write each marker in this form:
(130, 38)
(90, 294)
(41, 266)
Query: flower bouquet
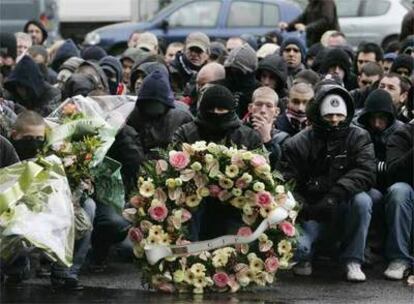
(173, 187)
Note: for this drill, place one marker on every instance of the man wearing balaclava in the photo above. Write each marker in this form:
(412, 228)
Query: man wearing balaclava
(333, 165)
(241, 65)
(155, 116)
(216, 122)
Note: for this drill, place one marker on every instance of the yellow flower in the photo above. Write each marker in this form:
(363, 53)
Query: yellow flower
(260, 278)
(236, 192)
(263, 238)
(165, 239)
(247, 209)
(192, 201)
(147, 189)
(226, 183)
(256, 265)
(208, 158)
(153, 240)
(196, 166)
(178, 276)
(178, 182)
(189, 277)
(238, 202)
(263, 169)
(200, 282)
(247, 155)
(284, 247)
(220, 260)
(198, 270)
(203, 192)
(156, 230)
(213, 148)
(232, 171)
(247, 178)
(280, 189)
(243, 279)
(251, 256)
(258, 186)
(170, 183)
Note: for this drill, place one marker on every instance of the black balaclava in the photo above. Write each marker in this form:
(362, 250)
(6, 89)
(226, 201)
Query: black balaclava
(27, 147)
(152, 109)
(213, 124)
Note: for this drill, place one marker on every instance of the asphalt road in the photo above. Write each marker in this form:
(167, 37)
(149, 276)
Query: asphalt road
(120, 284)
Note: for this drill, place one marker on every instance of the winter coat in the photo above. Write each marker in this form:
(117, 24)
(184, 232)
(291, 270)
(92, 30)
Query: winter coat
(182, 70)
(319, 16)
(8, 155)
(283, 124)
(400, 155)
(277, 66)
(324, 161)
(43, 97)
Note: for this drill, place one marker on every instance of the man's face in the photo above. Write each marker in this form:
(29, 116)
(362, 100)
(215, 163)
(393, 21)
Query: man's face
(22, 46)
(264, 107)
(39, 59)
(126, 70)
(392, 86)
(336, 41)
(403, 72)
(139, 81)
(299, 101)
(35, 33)
(292, 55)
(30, 132)
(334, 119)
(378, 122)
(196, 56)
(337, 71)
(363, 59)
(233, 43)
(366, 81)
(170, 53)
(268, 79)
(386, 65)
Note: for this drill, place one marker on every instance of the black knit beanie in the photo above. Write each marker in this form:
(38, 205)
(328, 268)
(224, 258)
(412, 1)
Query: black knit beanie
(403, 61)
(8, 45)
(378, 101)
(335, 57)
(217, 96)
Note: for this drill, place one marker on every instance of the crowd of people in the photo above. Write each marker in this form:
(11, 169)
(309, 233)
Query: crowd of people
(336, 121)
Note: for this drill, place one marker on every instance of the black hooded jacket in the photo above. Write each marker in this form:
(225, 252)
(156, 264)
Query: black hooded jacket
(329, 162)
(43, 98)
(182, 70)
(277, 66)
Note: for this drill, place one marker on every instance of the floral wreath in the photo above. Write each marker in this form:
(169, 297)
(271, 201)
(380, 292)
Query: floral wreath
(171, 188)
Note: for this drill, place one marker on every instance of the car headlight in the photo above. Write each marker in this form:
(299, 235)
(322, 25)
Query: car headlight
(92, 38)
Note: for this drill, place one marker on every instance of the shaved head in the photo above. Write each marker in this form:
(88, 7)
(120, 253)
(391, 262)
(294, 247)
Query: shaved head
(210, 72)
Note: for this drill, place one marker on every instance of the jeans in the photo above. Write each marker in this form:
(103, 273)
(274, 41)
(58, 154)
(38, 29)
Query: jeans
(399, 212)
(109, 228)
(349, 226)
(80, 250)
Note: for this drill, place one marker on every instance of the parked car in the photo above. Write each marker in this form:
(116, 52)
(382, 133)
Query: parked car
(216, 18)
(376, 21)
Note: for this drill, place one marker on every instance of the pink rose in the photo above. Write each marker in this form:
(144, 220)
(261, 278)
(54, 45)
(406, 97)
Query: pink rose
(241, 183)
(264, 199)
(158, 212)
(271, 264)
(179, 160)
(221, 279)
(136, 201)
(258, 161)
(244, 231)
(214, 190)
(135, 234)
(186, 215)
(166, 287)
(287, 228)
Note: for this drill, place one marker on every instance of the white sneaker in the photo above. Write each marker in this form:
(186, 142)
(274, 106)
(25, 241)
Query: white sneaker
(354, 272)
(396, 270)
(303, 269)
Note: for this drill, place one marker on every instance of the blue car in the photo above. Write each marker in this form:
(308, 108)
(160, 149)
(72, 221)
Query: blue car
(216, 18)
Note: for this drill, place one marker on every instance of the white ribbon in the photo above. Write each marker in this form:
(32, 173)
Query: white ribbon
(154, 253)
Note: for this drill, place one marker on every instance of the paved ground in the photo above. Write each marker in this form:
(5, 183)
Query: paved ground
(120, 284)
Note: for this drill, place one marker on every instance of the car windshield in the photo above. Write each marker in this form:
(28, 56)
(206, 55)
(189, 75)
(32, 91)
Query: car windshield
(169, 7)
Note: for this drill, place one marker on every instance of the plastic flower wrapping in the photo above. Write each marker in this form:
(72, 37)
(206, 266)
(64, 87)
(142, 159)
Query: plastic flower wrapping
(36, 210)
(172, 188)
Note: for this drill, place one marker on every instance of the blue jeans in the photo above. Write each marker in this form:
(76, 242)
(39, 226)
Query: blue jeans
(349, 227)
(80, 251)
(399, 215)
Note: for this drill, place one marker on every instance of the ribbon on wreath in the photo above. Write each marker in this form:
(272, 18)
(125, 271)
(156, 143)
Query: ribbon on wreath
(155, 253)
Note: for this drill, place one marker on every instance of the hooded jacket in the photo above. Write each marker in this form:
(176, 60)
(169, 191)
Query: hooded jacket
(319, 16)
(8, 155)
(146, 68)
(156, 132)
(400, 155)
(182, 70)
(43, 98)
(379, 101)
(277, 66)
(329, 162)
(67, 50)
